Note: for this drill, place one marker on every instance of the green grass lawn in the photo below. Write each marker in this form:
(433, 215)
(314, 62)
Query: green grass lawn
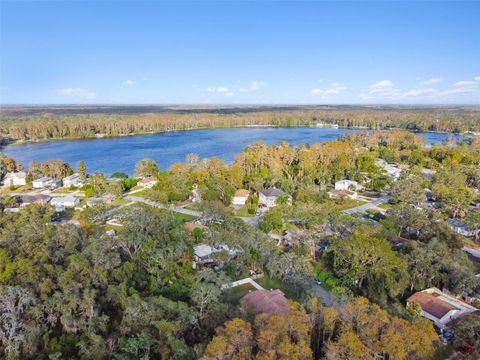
(269, 283)
(385, 206)
(349, 204)
(63, 190)
(119, 202)
(142, 194)
(233, 295)
(243, 211)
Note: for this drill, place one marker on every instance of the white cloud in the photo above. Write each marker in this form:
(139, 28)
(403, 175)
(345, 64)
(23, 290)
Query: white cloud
(217, 89)
(383, 89)
(335, 88)
(78, 93)
(431, 81)
(464, 83)
(476, 78)
(256, 84)
(420, 92)
(129, 82)
(381, 86)
(463, 87)
(229, 94)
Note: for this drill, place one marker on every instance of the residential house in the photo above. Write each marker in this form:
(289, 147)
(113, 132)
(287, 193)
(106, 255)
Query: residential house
(240, 197)
(148, 182)
(42, 183)
(196, 197)
(393, 171)
(350, 185)
(191, 226)
(205, 254)
(460, 227)
(439, 307)
(269, 197)
(293, 235)
(24, 200)
(15, 179)
(65, 201)
(336, 194)
(72, 180)
(266, 301)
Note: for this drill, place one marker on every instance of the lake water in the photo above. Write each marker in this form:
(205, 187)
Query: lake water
(109, 155)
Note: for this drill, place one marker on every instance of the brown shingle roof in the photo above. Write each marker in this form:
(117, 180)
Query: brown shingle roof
(147, 180)
(267, 301)
(273, 192)
(432, 304)
(190, 226)
(241, 193)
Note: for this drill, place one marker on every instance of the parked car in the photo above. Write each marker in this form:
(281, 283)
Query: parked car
(446, 337)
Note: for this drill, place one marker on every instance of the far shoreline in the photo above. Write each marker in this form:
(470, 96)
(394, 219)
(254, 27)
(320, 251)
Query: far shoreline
(325, 126)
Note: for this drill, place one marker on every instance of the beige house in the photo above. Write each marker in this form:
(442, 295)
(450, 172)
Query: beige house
(240, 197)
(15, 179)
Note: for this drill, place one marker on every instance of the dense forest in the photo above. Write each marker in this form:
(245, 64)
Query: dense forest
(33, 124)
(71, 291)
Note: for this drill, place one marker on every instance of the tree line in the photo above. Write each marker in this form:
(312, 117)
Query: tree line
(54, 125)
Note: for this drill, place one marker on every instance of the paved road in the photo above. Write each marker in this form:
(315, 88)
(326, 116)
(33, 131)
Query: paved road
(371, 205)
(162, 206)
(327, 298)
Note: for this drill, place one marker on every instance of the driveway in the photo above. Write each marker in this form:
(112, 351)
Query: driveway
(327, 298)
(162, 206)
(371, 205)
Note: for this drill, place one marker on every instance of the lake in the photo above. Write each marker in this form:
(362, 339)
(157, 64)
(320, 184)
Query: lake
(109, 155)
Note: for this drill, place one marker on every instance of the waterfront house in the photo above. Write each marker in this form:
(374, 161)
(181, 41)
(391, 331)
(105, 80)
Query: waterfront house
(42, 182)
(72, 180)
(240, 197)
(148, 182)
(269, 197)
(15, 179)
(439, 307)
(350, 185)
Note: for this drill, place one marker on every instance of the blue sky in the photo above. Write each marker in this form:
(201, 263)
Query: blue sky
(239, 52)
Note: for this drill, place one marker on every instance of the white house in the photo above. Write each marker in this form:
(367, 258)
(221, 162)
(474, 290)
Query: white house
(459, 227)
(348, 185)
(392, 171)
(205, 252)
(148, 182)
(72, 180)
(15, 179)
(42, 182)
(269, 197)
(240, 197)
(65, 201)
(440, 307)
